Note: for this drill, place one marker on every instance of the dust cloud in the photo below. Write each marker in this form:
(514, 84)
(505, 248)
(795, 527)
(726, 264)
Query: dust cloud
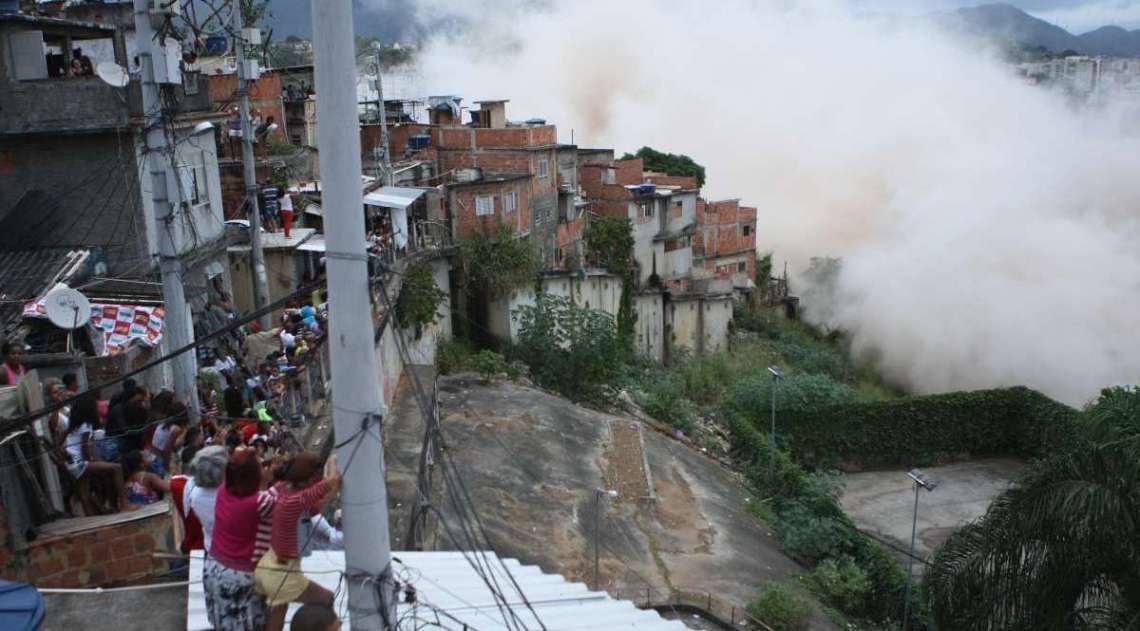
(988, 229)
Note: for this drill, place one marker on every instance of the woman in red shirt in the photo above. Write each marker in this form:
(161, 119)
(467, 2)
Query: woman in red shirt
(227, 576)
(278, 576)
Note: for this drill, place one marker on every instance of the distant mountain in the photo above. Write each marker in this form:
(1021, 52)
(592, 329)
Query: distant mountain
(1012, 24)
(1111, 40)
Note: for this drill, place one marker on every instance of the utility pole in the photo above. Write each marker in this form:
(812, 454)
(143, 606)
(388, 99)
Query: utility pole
(386, 156)
(256, 256)
(359, 406)
(167, 199)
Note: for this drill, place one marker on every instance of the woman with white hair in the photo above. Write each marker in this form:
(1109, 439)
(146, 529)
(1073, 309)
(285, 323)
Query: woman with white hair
(209, 470)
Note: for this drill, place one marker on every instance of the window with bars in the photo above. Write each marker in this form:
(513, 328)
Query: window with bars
(484, 205)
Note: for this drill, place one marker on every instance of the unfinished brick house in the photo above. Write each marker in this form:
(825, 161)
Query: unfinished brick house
(725, 244)
(492, 150)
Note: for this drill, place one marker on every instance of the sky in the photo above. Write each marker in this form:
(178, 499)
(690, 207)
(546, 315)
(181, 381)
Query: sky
(1077, 16)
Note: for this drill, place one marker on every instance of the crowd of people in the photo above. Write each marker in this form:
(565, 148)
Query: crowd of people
(244, 491)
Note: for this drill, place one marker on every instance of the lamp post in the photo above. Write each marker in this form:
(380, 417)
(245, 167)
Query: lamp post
(598, 493)
(920, 482)
(777, 376)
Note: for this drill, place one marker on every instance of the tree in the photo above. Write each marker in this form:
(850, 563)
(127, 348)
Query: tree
(669, 163)
(609, 243)
(500, 263)
(1062, 549)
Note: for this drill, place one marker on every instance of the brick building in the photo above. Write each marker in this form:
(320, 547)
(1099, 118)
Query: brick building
(265, 103)
(480, 205)
(725, 244)
(496, 149)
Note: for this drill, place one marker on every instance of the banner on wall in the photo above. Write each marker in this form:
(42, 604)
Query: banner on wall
(119, 324)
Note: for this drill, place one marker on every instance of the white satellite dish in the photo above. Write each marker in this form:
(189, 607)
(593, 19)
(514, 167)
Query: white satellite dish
(67, 308)
(112, 74)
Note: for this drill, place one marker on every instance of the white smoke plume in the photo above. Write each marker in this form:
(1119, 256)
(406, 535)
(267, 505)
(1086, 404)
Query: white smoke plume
(989, 230)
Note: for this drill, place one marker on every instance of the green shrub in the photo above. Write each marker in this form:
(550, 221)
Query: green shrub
(782, 607)
(663, 400)
(752, 396)
(1008, 421)
(453, 355)
(809, 537)
(841, 583)
(490, 364)
(570, 349)
(499, 263)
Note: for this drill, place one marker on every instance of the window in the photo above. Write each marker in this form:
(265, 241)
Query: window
(742, 267)
(747, 229)
(484, 205)
(609, 176)
(646, 209)
(543, 168)
(192, 179)
(510, 202)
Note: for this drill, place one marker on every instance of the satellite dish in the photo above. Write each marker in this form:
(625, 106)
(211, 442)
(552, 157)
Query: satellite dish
(112, 74)
(67, 308)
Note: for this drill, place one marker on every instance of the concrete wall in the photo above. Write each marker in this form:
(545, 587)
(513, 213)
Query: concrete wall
(283, 267)
(81, 190)
(198, 153)
(699, 324)
(598, 291)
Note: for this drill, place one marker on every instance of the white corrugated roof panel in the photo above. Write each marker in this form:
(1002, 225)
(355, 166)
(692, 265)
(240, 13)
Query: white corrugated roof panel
(393, 197)
(445, 583)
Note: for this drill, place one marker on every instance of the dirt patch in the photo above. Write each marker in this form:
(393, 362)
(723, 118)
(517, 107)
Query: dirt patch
(625, 464)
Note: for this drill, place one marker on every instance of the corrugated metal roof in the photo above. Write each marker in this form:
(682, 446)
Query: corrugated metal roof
(393, 197)
(26, 275)
(445, 582)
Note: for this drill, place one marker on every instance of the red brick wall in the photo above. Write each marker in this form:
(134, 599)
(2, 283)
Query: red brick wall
(720, 237)
(467, 223)
(684, 181)
(508, 137)
(610, 200)
(264, 96)
(233, 186)
(629, 171)
(114, 555)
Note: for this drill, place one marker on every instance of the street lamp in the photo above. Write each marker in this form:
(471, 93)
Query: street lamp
(920, 482)
(777, 376)
(598, 493)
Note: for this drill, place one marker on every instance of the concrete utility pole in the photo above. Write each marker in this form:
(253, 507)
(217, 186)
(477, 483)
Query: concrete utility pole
(386, 155)
(256, 256)
(167, 197)
(355, 371)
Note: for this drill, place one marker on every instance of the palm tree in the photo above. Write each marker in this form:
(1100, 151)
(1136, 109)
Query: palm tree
(1061, 550)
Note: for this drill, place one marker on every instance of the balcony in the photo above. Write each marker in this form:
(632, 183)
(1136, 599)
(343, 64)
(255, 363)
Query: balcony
(65, 105)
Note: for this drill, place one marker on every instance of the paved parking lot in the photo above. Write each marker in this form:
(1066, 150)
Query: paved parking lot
(882, 502)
